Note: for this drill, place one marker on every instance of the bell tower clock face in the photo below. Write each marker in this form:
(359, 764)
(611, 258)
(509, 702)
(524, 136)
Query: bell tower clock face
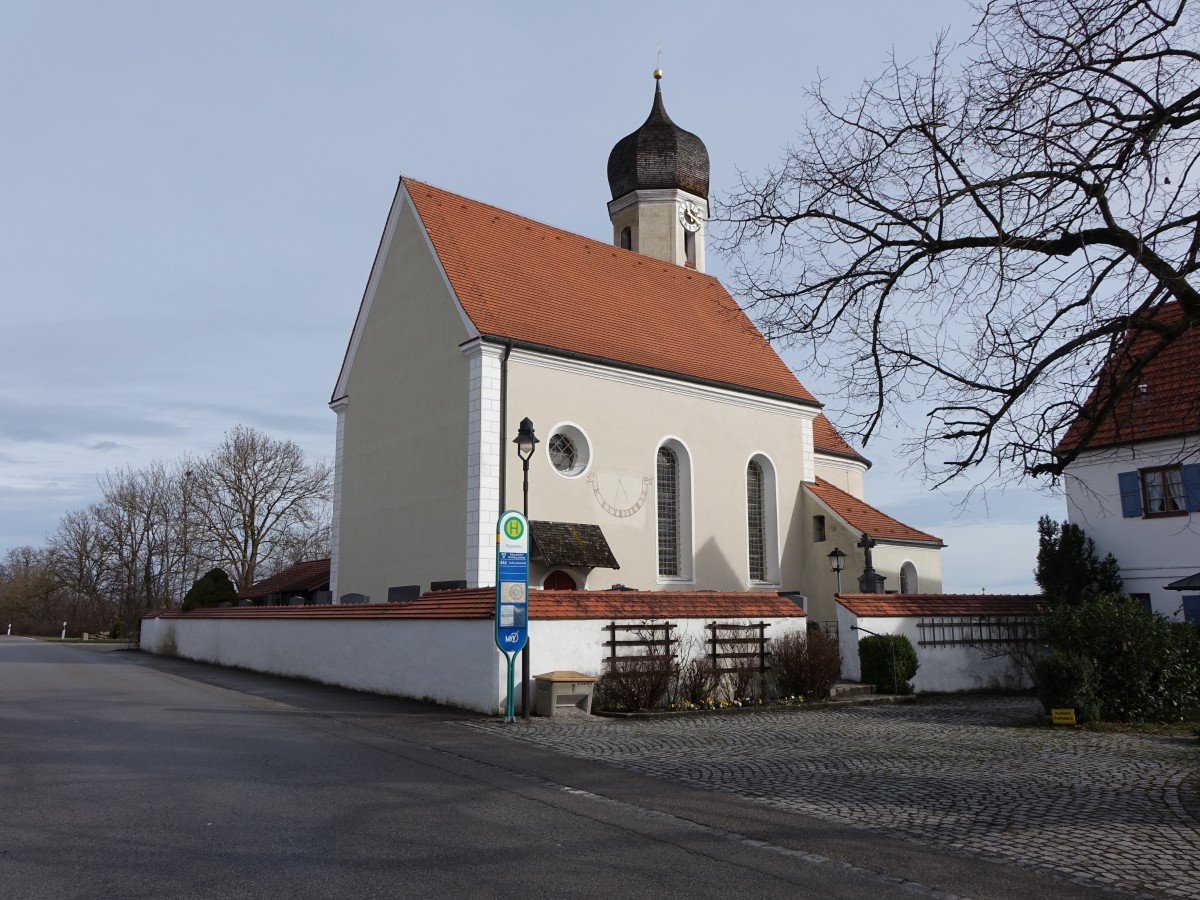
(690, 215)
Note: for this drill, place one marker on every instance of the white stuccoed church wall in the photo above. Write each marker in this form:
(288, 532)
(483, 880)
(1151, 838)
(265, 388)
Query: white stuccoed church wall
(952, 668)
(451, 661)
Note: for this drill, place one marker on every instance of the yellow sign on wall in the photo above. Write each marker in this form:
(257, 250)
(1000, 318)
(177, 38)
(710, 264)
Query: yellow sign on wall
(1062, 716)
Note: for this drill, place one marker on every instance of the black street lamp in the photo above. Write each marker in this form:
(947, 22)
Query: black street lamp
(526, 442)
(837, 565)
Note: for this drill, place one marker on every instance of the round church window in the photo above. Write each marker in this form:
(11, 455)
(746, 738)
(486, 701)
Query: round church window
(562, 452)
(568, 450)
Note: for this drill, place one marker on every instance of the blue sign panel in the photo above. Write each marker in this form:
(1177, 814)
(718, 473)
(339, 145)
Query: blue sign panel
(512, 582)
(512, 592)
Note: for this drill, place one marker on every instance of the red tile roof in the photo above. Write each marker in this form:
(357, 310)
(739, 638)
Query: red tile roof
(1171, 405)
(479, 603)
(887, 605)
(303, 576)
(863, 517)
(827, 438)
(521, 279)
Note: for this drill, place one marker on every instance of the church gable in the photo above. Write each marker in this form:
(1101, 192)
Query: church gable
(408, 299)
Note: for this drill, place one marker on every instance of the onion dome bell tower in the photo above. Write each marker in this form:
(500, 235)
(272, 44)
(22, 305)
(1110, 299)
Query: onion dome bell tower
(659, 181)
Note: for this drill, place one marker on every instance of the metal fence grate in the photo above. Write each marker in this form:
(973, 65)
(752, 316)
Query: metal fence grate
(944, 631)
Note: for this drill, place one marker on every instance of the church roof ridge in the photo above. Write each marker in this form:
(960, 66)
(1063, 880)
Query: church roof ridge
(524, 280)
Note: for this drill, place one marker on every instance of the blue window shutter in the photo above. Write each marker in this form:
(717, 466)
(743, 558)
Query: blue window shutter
(1191, 608)
(1191, 484)
(1131, 494)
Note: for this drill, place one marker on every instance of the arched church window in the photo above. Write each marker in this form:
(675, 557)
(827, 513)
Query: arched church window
(667, 485)
(755, 527)
(626, 238)
(908, 578)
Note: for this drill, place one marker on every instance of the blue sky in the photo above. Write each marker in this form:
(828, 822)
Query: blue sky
(192, 195)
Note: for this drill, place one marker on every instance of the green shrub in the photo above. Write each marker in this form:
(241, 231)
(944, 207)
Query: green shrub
(212, 589)
(875, 658)
(805, 665)
(1068, 681)
(1147, 667)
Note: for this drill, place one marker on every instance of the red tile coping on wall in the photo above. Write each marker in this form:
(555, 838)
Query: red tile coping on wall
(886, 605)
(479, 603)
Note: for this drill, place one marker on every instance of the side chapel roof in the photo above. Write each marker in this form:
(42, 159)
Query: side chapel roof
(863, 517)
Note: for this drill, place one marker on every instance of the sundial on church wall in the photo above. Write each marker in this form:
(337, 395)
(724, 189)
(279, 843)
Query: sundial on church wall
(620, 494)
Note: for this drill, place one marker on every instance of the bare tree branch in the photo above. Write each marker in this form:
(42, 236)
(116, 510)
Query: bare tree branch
(975, 239)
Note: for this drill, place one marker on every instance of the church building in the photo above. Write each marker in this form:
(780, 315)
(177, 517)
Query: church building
(675, 450)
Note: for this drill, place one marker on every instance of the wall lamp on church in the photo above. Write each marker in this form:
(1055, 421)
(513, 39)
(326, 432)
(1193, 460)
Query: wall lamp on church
(526, 442)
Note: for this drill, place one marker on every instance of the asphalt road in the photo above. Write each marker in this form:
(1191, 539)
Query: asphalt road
(129, 776)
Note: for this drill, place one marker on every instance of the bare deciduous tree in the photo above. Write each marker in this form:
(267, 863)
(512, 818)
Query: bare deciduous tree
(255, 498)
(976, 237)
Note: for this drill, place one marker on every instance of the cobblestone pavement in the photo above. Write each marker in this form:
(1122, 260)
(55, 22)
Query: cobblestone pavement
(1117, 810)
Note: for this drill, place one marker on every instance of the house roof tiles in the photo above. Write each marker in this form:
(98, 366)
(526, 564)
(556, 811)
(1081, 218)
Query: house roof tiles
(1170, 405)
(303, 576)
(863, 517)
(889, 605)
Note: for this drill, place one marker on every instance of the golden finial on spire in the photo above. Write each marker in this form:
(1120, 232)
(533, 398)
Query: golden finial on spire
(658, 66)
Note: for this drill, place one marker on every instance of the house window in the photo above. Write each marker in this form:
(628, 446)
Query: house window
(1162, 491)
(668, 512)
(755, 526)
(818, 529)
(1142, 600)
(908, 579)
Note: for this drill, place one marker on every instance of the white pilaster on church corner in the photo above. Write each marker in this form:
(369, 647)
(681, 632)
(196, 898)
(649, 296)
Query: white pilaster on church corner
(483, 461)
(338, 407)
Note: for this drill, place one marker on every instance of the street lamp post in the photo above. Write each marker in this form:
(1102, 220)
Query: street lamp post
(837, 564)
(526, 442)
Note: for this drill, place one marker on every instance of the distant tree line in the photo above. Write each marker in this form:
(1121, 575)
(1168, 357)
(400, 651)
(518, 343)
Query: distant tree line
(252, 507)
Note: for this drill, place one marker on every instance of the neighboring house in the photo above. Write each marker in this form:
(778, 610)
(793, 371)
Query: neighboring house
(304, 582)
(674, 442)
(1136, 488)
